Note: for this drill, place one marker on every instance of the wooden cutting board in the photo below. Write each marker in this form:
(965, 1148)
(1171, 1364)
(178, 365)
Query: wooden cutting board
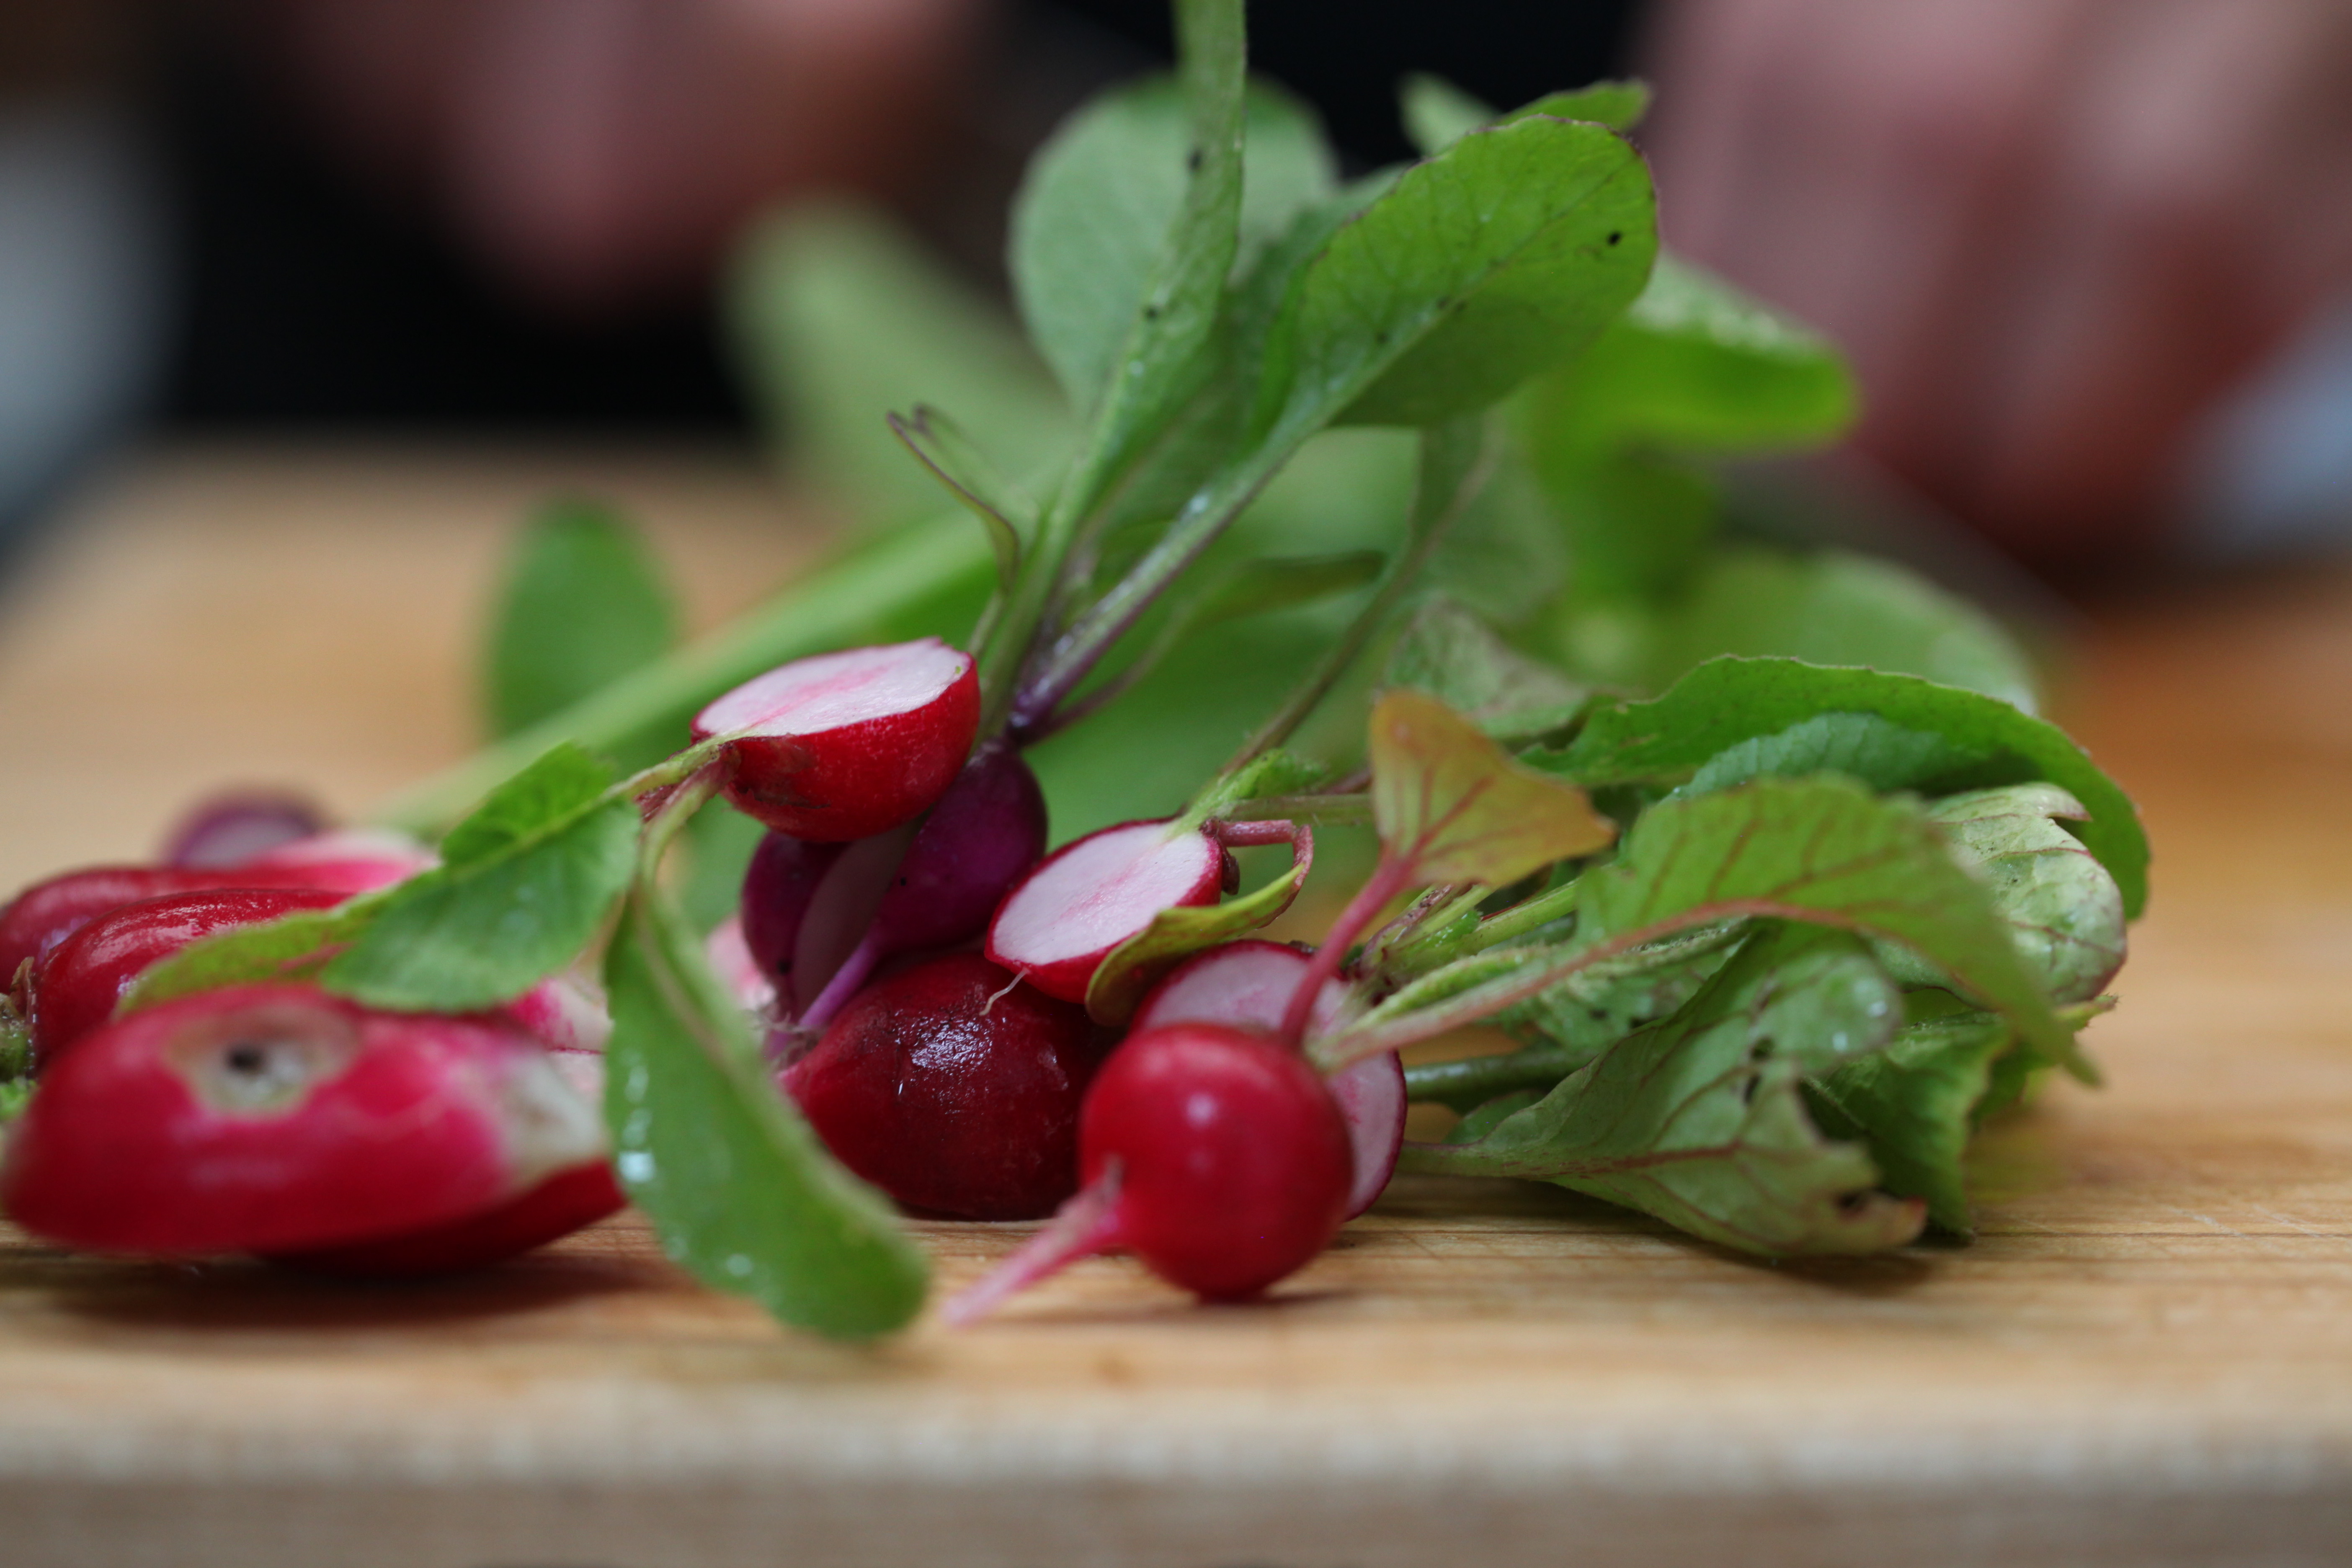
(2145, 1357)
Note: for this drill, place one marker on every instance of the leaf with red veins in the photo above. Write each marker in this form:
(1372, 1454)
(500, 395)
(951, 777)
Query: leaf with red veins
(1459, 809)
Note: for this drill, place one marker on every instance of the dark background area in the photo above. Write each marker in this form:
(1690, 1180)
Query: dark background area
(307, 300)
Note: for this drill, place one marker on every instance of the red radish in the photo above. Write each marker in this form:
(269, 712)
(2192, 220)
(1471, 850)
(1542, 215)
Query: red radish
(77, 985)
(778, 885)
(845, 745)
(278, 1118)
(48, 912)
(953, 1088)
(231, 829)
(985, 832)
(1212, 1153)
(391, 855)
(575, 1196)
(1056, 929)
(1249, 984)
(565, 1013)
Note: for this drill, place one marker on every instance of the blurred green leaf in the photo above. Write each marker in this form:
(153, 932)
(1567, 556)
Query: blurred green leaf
(584, 604)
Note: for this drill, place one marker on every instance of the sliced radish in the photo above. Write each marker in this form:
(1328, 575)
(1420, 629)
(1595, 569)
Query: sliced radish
(730, 957)
(1249, 984)
(278, 1119)
(1055, 927)
(845, 745)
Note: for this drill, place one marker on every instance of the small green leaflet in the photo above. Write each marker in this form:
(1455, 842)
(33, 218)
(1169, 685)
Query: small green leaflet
(1595, 1007)
(1830, 607)
(837, 315)
(1451, 803)
(1701, 1122)
(744, 1195)
(1130, 969)
(1911, 1104)
(1007, 514)
(1863, 746)
(584, 602)
(1505, 253)
(2063, 907)
(1694, 367)
(1437, 113)
(526, 882)
(1276, 772)
(1100, 198)
(1450, 654)
(1821, 850)
(1728, 700)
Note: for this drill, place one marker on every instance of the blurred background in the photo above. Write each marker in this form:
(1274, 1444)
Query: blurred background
(2092, 257)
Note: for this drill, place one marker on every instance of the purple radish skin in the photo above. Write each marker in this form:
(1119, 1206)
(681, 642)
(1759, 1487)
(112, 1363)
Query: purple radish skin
(985, 833)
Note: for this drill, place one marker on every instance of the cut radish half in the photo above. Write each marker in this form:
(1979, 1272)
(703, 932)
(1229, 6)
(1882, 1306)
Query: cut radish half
(1056, 929)
(1249, 984)
(845, 745)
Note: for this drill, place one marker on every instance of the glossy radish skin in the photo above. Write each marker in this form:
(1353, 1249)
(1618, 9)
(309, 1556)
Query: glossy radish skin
(79, 983)
(228, 830)
(1067, 916)
(277, 1117)
(46, 913)
(1249, 984)
(573, 1197)
(954, 1089)
(982, 838)
(846, 745)
(1213, 1153)
(779, 884)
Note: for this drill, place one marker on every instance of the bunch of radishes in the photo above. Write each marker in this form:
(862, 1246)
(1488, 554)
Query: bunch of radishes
(280, 1120)
(276, 1118)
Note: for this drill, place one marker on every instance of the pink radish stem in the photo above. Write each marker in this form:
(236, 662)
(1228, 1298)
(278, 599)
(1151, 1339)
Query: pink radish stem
(1087, 1225)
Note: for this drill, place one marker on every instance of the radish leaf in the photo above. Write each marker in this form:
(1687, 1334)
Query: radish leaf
(1451, 803)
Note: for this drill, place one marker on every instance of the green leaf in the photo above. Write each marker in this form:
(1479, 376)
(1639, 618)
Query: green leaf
(742, 1193)
(1004, 510)
(1485, 1117)
(1701, 1122)
(1831, 607)
(1437, 113)
(1694, 367)
(1102, 195)
(16, 1043)
(1821, 850)
(1639, 524)
(1595, 1007)
(1505, 253)
(1863, 746)
(2065, 912)
(1728, 700)
(1450, 654)
(546, 795)
(1276, 772)
(1911, 1104)
(1135, 965)
(526, 881)
(1451, 803)
(584, 602)
(838, 317)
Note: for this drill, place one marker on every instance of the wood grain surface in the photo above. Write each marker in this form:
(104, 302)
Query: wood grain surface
(2145, 1358)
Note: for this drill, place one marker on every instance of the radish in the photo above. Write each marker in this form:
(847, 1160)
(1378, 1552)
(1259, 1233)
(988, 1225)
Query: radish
(731, 959)
(985, 832)
(1056, 929)
(782, 878)
(1249, 984)
(46, 913)
(845, 745)
(954, 1087)
(1212, 1153)
(77, 985)
(229, 830)
(574, 1196)
(277, 1117)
